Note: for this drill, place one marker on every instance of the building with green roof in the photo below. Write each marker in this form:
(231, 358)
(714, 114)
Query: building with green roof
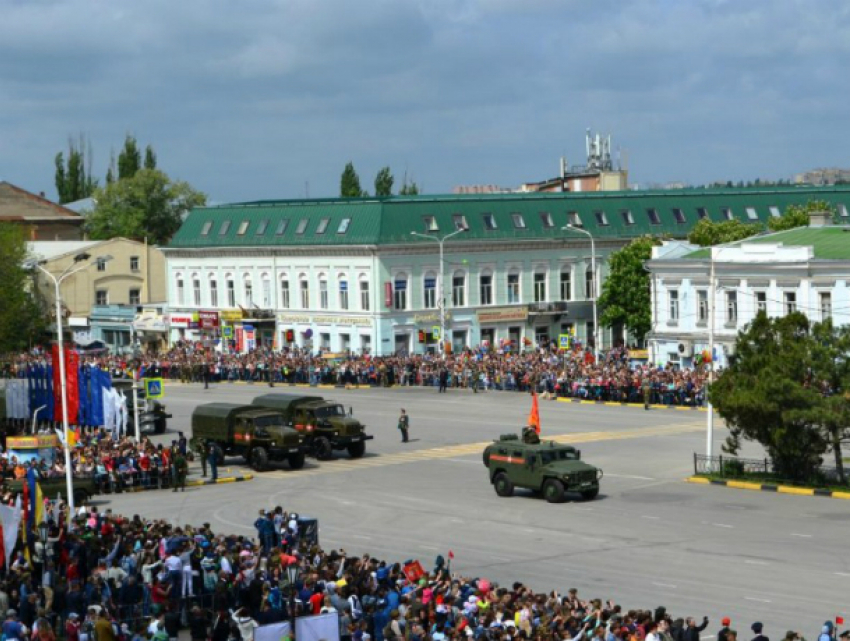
(349, 274)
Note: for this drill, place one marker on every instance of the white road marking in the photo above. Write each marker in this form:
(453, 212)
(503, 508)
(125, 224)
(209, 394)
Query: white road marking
(630, 476)
(529, 530)
(664, 585)
(361, 536)
(734, 507)
(429, 547)
(756, 599)
(646, 516)
(456, 520)
(722, 525)
(752, 562)
(841, 573)
(804, 536)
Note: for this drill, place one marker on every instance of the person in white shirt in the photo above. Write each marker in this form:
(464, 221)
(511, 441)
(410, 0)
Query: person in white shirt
(246, 624)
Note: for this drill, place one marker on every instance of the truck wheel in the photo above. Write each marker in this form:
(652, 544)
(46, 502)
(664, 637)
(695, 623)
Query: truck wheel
(357, 450)
(589, 495)
(159, 426)
(323, 449)
(259, 459)
(553, 491)
(296, 461)
(503, 485)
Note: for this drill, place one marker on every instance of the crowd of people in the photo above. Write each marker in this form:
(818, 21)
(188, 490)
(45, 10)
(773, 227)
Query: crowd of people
(577, 373)
(103, 577)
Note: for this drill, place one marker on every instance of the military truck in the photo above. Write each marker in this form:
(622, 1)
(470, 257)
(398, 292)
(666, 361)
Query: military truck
(324, 423)
(541, 466)
(259, 435)
(84, 488)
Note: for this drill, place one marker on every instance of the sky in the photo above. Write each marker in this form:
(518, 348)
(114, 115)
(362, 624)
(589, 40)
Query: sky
(262, 99)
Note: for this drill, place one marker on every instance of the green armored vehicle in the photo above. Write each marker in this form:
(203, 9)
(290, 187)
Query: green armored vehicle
(541, 466)
(84, 488)
(324, 424)
(259, 435)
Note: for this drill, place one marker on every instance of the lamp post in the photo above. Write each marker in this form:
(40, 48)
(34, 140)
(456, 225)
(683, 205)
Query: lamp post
(594, 284)
(43, 533)
(57, 282)
(441, 240)
(292, 575)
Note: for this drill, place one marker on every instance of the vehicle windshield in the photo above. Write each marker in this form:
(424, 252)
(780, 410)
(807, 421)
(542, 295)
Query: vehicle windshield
(330, 411)
(268, 421)
(550, 456)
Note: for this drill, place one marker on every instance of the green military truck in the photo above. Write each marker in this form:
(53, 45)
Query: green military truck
(324, 424)
(84, 488)
(540, 466)
(259, 435)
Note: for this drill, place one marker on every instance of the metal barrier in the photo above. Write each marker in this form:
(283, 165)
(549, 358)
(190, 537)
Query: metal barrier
(732, 467)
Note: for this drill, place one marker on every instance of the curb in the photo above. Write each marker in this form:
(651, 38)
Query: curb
(195, 483)
(169, 383)
(769, 487)
(681, 408)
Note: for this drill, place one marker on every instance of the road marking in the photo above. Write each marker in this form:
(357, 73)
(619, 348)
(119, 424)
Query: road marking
(804, 536)
(646, 516)
(722, 525)
(756, 599)
(361, 536)
(752, 562)
(735, 507)
(456, 520)
(630, 476)
(841, 573)
(664, 585)
(429, 547)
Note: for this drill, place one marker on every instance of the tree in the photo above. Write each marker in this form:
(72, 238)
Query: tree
(150, 158)
(625, 296)
(129, 159)
(707, 232)
(798, 215)
(21, 320)
(73, 180)
(785, 389)
(408, 188)
(349, 183)
(384, 182)
(148, 205)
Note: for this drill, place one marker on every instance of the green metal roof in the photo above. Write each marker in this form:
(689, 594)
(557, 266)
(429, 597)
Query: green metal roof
(500, 217)
(828, 243)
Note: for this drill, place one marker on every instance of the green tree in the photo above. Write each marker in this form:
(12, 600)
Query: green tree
(21, 320)
(148, 205)
(625, 297)
(349, 183)
(384, 182)
(129, 158)
(798, 215)
(150, 158)
(73, 179)
(707, 232)
(408, 188)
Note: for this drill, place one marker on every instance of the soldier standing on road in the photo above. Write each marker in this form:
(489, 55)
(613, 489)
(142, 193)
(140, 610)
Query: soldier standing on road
(404, 425)
(444, 379)
(202, 454)
(180, 469)
(212, 456)
(647, 392)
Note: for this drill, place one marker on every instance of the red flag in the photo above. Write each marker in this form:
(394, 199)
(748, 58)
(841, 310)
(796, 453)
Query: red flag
(72, 369)
(57, 385)
(534, 415)
(451, 554)
(839, 620)
(413, 571)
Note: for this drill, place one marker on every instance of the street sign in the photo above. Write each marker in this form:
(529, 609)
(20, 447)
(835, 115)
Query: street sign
(153, 387)
(435, 330)
(227, 331)
(564, 341)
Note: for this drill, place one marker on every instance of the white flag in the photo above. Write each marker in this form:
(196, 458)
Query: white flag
(10, 517)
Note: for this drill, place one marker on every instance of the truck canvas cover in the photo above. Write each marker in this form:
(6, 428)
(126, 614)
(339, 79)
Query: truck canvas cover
(283, 402)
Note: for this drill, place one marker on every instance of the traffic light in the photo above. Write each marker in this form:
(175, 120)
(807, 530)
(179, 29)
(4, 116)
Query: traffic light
(290, 336)
(421, 335)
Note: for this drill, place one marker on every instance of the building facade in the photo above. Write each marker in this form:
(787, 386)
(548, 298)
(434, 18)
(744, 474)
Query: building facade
(39, 218)
(364, 275)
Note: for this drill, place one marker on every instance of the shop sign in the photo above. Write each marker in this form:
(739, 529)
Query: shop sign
(303, 319)
(208, 320)
(502, 314)
(434, 317)
(181, 320)
(230, 315)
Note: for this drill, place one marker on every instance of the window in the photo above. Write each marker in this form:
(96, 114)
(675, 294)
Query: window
(400, 291)
(302, 226)
(205, 230)
(574, 219)
(774, 211)
(679, 216)
(343, 226)
(513, 288)
(284, 294)
(323, 225)
(134, 263)
(281, 227)
(225, 227)
(364, 295)
(588, 282)
(790, 299)
(343, 294)
(243, 227)
(601, 218)
(430, 223)
(628, 219)
(231, 292)
(825, 305)
(842, 210)
(214, 293)
(323, 294)
(429, 291)
(731, 307)
(540, 287)
(546, 219)
(267, 292)
(135, 296)
(179, 291)
(485, 288)
(249, 293)
(727, 214)
(654, 218)
(752, 214)
(702, 213)
(101, 265)
(459, 289)
(519, 221)
(262, 227)
(702, 306)
(101, 297)
(459, 221)
(489, 222)
(196, 292)
(566, 284)
(761, 302)
(673, 305)
(305, 294)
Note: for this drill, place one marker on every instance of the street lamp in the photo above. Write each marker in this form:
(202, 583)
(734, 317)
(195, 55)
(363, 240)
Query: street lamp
(43, 532)
(292, 575)
(595, 283)
(57, 282)
(441, 240)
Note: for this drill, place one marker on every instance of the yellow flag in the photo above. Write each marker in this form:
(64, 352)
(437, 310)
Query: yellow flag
(39, 505)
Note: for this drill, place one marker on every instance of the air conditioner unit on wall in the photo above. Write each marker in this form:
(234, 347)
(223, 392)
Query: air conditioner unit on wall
(686, 349)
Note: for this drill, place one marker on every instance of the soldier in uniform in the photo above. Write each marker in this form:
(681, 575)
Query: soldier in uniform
(647, 392)
(404, 425)
(202, 454)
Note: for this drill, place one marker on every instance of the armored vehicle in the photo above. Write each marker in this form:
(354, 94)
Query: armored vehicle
(324, 424)
(84, 488)
(541, 466)
(152, 415)
(257, 434)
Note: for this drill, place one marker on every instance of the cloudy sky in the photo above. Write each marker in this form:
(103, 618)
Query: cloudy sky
(250, 99)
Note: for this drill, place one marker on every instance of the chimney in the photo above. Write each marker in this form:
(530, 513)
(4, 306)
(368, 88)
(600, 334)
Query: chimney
(820, 219)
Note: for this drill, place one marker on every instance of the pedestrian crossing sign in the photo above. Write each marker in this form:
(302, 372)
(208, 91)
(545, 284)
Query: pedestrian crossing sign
(153, 388)
(435, 330)
(227, 331)
(564, 341)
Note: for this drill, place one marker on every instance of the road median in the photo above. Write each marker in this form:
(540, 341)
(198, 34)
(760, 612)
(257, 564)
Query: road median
(769, 487)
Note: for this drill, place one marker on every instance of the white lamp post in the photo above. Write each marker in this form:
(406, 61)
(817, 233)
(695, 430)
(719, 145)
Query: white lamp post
(441, 240)
(595, 283)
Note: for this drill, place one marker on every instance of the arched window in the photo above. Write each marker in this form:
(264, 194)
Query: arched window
(513, 286)
(429, 290)
(400, 291)
(566, 282)
(459, 288)
(485, 287)
(589, 285)
(540, 285)
(323, 290)
(179, 286)
(363, 284)
(285, 297)
(247, 291)
(230, 285)
(342, 285)
(304, 288)
(196, 290)
(213, 285)
(266, 282)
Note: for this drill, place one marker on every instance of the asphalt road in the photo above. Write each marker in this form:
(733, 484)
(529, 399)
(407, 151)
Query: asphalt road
(650, 539)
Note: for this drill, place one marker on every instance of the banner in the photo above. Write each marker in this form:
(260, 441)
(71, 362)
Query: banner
(534, 415)
(72, 369)
(10, 520)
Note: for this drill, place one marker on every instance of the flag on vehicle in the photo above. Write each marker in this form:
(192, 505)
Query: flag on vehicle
(534, 415)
